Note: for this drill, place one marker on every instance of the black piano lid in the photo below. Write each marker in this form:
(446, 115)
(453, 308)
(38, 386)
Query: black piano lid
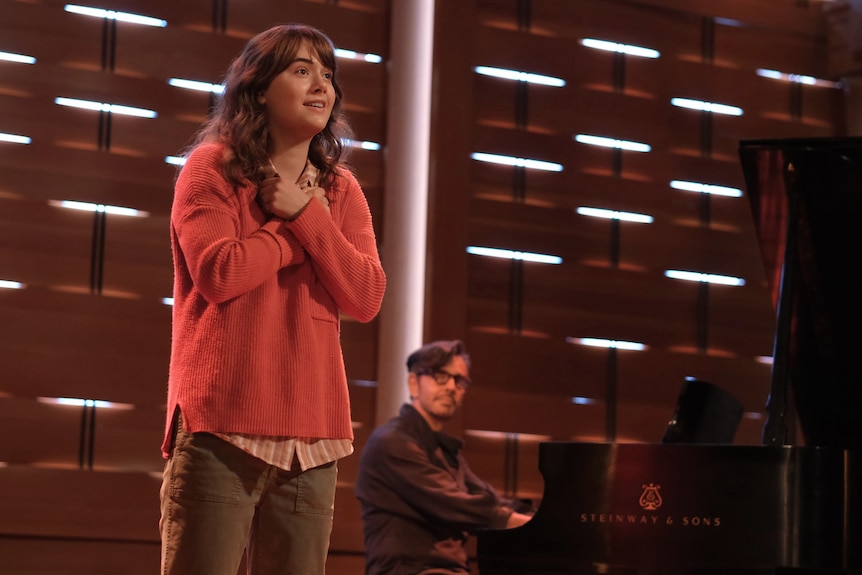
(806, 201)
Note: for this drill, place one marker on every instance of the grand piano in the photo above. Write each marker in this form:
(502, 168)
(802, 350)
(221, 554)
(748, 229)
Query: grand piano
(790, 505)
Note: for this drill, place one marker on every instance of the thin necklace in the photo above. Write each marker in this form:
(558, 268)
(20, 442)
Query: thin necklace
(273, 167)
(308, 183)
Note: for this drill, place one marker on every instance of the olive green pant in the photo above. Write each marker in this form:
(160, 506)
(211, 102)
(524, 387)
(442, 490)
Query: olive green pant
(220, 505)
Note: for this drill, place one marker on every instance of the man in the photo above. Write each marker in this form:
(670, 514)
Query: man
(419, 498)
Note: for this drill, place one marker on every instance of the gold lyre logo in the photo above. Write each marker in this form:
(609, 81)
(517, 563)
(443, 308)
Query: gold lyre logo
(650, 499)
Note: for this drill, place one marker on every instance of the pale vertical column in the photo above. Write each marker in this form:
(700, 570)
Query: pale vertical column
(406, 201)
(853, 104)
(844, 29)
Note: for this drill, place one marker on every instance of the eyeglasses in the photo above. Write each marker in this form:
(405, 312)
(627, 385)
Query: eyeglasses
(442, 377)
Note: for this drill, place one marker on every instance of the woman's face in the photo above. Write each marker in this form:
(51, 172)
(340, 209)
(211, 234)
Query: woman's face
(299, 100)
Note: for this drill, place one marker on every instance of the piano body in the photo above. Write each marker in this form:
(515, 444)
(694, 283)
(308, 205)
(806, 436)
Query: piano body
(783, 506)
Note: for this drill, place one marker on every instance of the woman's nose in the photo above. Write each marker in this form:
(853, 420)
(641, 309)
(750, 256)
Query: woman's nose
(320, 84)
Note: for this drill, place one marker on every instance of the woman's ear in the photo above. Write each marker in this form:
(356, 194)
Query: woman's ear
(261, 99)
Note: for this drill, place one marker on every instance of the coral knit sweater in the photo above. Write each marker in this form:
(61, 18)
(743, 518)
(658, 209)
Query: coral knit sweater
(256, 334)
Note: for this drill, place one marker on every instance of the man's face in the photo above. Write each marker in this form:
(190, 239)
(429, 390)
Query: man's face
(437, 402)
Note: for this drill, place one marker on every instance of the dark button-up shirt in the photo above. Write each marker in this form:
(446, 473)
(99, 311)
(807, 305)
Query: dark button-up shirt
(420, 500)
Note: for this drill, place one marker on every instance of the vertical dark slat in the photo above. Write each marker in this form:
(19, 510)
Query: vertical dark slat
(86, 441)
(106, 31)
(707, 40)
(94, 253)
(510, 464)
(107, 128)
(525, 12)
(521, 104)
(611, 396)
(706, 134)
(703, 317)
(615, 243)
(101, 129)
(112, 45)
(796, 100)
(103, 220)
(519, 184)
(97, 251)
(82, 438)
(619, 72)
(109, 44)
(516, 295)
(219, 15)
(616, 161)
(91, 438)
(705, 209)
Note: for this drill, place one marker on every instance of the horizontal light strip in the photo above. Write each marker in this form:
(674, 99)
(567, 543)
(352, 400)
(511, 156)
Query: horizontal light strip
(518, 162)
(15, 138)
(9, 284)
(363, 144)
(351, 55)
(705, 188)
(505, 435)
(621, 48)
(88, 207)
(797, 78)
(706, 106)
(119, 16)
(168, 300)
(520, 76)
(78, 402)
(612, 143)
(364, 382)
(513, 255)
(197, 86)
(608, 343)
(730, 22)
(776, 75)
(584, 401)
(104, 107)
(614, 215)
(17, 58)
(705, 278)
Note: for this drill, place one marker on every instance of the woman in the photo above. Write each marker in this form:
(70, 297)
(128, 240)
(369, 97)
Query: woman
(272, 238)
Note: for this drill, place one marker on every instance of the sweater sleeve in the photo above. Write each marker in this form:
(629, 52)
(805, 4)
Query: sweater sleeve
(223, 260)
(345, 258)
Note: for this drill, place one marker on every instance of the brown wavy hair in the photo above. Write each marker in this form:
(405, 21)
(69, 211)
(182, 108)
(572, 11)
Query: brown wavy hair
(239, 120)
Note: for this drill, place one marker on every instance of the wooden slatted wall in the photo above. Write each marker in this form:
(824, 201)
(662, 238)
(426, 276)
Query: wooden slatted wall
(522, 320)
(79, 485)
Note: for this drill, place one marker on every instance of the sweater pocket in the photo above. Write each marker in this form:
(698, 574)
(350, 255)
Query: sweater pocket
(323, 307)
